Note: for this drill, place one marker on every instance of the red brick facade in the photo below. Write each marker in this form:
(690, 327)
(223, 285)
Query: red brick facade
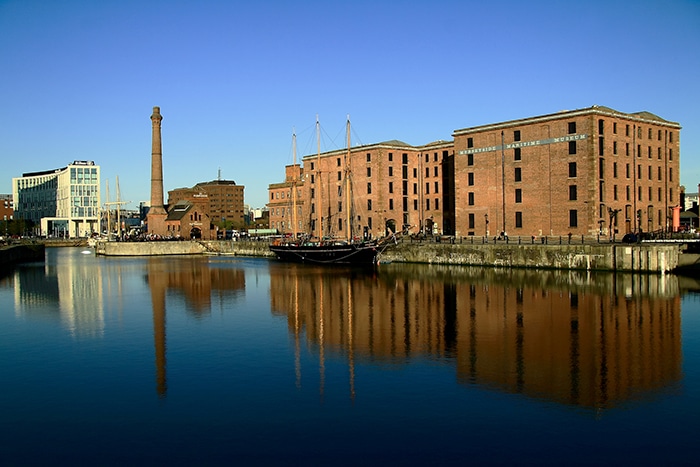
(592, 171)
(568, 172)
(392, 185)
(7, 211)
(226, 202)
(223, 201)
(281, 202)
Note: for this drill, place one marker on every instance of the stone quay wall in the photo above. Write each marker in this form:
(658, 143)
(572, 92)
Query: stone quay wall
(239, 248)
(149, 248)
(163, 248)
(13, 254)
(602, 257)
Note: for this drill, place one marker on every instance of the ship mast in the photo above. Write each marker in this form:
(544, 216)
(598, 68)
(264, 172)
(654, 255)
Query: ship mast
(119, 206)
(319, 210)
(118, 203)
(294, 185)
(109, 211)
(348, 215)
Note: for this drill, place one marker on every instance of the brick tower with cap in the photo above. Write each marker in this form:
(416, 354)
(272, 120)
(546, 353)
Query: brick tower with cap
(156, 214)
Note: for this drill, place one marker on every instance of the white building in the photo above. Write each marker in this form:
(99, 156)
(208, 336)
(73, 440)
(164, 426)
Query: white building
(61, 202)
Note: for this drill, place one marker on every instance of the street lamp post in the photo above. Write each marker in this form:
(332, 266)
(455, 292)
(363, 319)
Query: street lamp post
(613, 216)
(639, 221)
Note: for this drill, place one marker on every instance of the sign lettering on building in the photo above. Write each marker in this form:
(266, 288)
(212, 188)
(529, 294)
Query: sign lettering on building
(523, 144)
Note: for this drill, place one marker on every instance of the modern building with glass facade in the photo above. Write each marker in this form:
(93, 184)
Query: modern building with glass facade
(60, 202)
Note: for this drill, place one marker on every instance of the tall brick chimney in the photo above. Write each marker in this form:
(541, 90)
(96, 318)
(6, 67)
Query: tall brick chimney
(156, 213)
(156, 164)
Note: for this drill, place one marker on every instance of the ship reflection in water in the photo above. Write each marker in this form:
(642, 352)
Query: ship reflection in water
(591, 341)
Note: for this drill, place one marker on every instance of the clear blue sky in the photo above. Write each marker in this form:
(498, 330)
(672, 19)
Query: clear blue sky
(79, 79)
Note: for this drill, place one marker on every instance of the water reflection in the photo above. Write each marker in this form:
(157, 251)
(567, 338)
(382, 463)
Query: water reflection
(71, 290)
(196, 282)
(575, 338)
(589, 340)
(78, 289)
(194, 279)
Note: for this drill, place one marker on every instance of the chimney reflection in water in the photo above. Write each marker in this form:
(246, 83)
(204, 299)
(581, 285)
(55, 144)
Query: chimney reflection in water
(158, 287)
(197, 282)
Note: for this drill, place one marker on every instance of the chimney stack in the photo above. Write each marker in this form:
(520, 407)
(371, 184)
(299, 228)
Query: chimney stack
(156, 213)
(156, 165)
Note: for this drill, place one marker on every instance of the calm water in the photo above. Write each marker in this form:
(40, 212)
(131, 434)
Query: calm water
(230, 360)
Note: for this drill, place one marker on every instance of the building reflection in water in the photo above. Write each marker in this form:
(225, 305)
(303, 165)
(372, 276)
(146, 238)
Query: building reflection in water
(74, 283)
(197, 282)
(83, 286)
(588, 340)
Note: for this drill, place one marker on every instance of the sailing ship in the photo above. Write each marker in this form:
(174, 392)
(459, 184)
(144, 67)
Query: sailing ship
(327, 252)
(346, 251)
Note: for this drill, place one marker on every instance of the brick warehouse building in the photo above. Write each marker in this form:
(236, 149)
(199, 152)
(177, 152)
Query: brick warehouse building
(225, 201)
(591, 171)
(394, 184)
(224, 205)
(281, 202)
(6, 208)
(584, 172)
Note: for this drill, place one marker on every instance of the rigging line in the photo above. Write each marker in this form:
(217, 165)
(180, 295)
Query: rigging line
(309, 131)
(290, 150)
(342, 133)
(334, 146)
(309, 147)
(328, 144)
(357, 137)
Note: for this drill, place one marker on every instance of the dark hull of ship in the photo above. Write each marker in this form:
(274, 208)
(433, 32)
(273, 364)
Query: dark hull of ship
(348, 254)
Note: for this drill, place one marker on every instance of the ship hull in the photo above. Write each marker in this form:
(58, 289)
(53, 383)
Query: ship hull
(359, 254)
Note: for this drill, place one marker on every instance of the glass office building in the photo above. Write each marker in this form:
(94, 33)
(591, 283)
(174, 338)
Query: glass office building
(62, 202)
